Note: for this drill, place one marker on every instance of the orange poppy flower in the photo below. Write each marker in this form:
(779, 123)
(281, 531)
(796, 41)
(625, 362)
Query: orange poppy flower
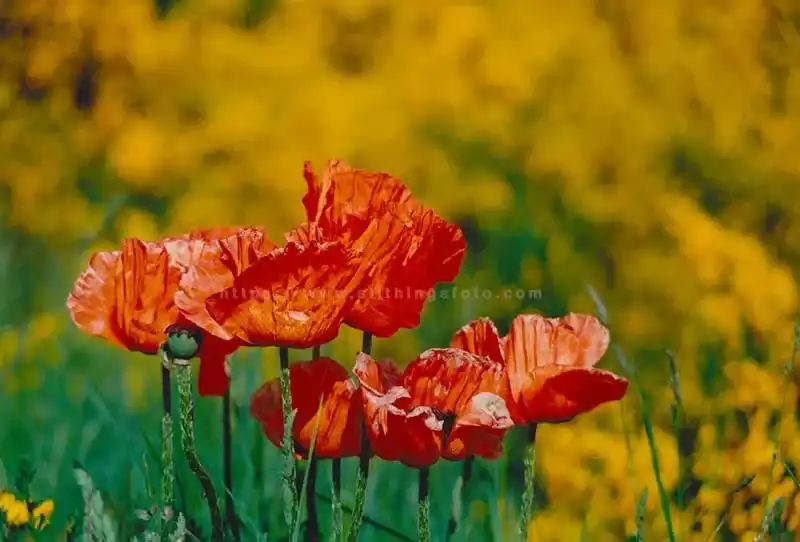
(323, 397)
(446, 404)
(128, 296)
(549, 363)
(407, 247)
(294, 297)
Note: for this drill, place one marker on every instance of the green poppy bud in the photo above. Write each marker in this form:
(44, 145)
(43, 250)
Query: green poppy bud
(183, 342)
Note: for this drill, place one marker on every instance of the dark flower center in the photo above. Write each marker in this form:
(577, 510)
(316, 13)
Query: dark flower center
(448, 420)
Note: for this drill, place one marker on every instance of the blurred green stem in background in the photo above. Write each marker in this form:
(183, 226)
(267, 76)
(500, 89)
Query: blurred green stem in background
(312, 528)
(337, 523)
(363, 463)
(290, 500)
(459, 492)
(233, 521)
(167, 461)
(424, 512)
(530, 479)
(183, 375)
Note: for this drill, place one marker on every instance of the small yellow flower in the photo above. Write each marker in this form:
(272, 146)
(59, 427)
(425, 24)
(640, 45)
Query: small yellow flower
(6, 501)
(42, 513)
(17, 514)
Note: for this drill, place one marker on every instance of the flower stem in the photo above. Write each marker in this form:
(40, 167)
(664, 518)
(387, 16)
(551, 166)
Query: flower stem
(290, 498)
(337, 524)
(459, 491)
(530, 478)
(312, 528)
(423, 519)
(363, 463)
(167, 460)
(183, 374)
(230, 511)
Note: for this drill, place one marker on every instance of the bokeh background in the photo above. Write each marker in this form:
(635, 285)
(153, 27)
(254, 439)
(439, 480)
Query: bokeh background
(648, 149)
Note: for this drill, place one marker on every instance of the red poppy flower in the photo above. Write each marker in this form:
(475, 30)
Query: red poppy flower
(128, 296)
(323, 397)
(446, 404)
(294, 297)
(407, 247)
(549, 363)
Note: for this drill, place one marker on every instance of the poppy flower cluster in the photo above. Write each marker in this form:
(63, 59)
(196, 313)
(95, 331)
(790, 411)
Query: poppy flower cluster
(449, 403)
(365, 234)
(365, 238)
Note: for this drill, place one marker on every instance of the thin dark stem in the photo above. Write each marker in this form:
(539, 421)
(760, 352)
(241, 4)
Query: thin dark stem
(530, 478)
(230, 511)
(337, 523)
(316, 352)
(363, 463)
(312, 527)
(366, 343)
(423, 520)
(290, 496)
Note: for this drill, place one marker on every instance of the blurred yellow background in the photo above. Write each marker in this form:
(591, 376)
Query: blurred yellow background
(645, 148)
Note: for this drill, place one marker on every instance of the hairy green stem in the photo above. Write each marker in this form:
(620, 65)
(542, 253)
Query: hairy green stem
(167, 459)
(337, 523)
(424, 512)
(530, 479)
(183, 374)
(290, 499)
(227, 438)
(363, 464)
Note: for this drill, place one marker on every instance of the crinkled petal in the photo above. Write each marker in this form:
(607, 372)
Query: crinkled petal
(557, 394)
(323, 397)
(91, 302)
(534, 342)
(296, 297)
(127, 296)
(407, 248)
(480, 429)
(480, 337)
(448, 378)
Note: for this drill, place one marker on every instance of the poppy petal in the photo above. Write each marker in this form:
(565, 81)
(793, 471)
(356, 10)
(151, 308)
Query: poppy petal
(91, 302)
(379, 376)
(212, 379)
(295, 297)
(410, 437)
(448, 378)
(480, 337)
(324, 399)
(535, 341)
(137, 310)
(407, 247)
(593, 337)
(558, 394)
(480, 429)
(212, 268)
(184, 250)
(447, 398)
